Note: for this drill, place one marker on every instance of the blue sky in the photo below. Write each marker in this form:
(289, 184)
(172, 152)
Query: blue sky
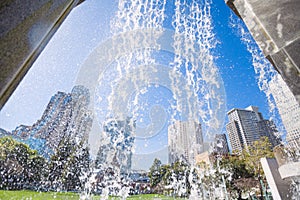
(235, 63)
(87, 26)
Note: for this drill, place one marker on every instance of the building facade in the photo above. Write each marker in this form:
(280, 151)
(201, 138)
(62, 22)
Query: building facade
(185, 141)
(116, 148)
(246, 126)
(66, 116)
(288, 109)
(221, 145)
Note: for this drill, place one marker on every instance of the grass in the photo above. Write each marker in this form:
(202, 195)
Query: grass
(32, 195)
(151, 196)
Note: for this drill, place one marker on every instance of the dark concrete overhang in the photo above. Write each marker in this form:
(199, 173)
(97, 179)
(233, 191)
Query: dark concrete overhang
(232, 7)
(25, 29)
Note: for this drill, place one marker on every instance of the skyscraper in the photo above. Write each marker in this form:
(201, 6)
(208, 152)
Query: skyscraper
(185, 141)
(66, 115)
(246, 126)
(221, 145)
(289, 110)
(116, 150)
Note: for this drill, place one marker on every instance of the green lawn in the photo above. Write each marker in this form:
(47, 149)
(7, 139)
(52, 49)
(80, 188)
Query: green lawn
(31, 195)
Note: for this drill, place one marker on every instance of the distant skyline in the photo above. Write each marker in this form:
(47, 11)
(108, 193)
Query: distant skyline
(87, 26)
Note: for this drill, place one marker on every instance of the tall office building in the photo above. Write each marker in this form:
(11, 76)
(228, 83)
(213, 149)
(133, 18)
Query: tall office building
(221, 145)
(66, 116)
(289, 110)
(185, 141)
(116, 150)
(246, 126)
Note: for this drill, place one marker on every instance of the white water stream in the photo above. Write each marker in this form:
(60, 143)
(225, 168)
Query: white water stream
(148, 77)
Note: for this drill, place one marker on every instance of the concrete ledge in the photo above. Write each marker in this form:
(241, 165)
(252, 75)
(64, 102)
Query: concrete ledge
(289, 170)
(280, 188)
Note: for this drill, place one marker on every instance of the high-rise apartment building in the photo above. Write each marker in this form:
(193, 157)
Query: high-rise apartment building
(185, 141)
(289, 110)
(246, 126)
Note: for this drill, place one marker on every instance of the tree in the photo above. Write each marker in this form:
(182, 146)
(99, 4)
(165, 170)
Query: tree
(20, 166)
(245, 169)
(58, 163)
(154, 173)
(37, 170)
(77, 169)
(238, 179)
(68, 165)
(170, 178)
(252, 155)
(180, 174)
(166, 173)
(256, 151)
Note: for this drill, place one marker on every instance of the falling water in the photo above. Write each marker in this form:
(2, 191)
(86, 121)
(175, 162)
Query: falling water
(262, 67)
(148, 77)
(270, 82)
(193, 42)
(153, 76)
